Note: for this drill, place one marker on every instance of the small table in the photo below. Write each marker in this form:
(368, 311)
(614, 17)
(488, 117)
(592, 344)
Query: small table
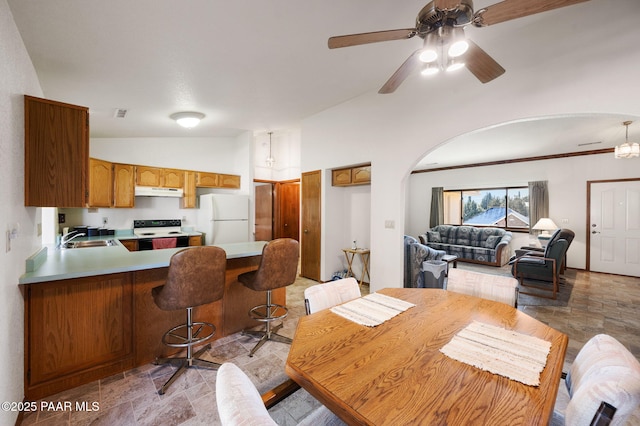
(450, 258)
(350, 254)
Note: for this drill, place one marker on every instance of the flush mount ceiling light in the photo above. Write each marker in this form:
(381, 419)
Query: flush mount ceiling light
(187, 119)
(627, 149)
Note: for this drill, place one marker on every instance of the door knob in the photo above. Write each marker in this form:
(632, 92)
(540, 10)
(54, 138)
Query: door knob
(306, 231)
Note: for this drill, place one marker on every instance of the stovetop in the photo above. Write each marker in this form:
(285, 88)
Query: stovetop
(158, 228)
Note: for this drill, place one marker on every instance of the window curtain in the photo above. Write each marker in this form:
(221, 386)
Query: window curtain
(436, 216)
(538, 202)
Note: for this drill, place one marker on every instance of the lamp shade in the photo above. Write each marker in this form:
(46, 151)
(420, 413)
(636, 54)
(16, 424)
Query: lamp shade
(545, 225)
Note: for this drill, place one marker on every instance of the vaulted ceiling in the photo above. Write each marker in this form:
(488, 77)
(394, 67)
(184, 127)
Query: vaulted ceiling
(265, 65)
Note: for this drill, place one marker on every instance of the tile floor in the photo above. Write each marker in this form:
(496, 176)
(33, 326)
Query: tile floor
(599, 303)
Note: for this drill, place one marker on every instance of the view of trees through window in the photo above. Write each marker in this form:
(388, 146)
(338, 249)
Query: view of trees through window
(499, 207)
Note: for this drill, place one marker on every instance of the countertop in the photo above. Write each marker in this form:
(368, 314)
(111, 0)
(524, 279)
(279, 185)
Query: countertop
(84, 262)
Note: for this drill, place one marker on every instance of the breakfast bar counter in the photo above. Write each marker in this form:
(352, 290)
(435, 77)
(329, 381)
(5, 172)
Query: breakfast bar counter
(89, 312)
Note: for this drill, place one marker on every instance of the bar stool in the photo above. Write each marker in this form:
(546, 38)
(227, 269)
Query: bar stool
(278, 268)
(196, 277)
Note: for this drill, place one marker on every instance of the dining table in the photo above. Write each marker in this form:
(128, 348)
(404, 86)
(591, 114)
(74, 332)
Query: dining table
(395, 373)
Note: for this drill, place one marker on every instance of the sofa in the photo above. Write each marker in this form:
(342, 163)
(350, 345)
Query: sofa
(488, 246)
(415, 254)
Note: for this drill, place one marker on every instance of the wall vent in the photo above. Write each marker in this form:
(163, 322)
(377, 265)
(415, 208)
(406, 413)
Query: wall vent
(119, 113)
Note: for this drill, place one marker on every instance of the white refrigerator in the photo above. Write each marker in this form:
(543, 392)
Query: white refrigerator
(224, 218)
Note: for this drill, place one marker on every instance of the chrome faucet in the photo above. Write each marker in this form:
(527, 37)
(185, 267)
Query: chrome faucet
(70, 236)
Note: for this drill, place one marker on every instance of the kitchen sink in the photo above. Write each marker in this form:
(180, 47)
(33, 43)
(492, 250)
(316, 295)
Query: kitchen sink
(92, 243)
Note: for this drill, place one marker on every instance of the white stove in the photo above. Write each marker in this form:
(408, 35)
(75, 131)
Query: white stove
(158, 228)
(148, 230)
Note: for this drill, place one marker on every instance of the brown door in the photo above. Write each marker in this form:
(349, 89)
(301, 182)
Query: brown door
(310, 244)
(288, 215)
(264, 211)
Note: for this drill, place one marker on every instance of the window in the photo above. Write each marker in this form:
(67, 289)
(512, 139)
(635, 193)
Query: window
(498, 207)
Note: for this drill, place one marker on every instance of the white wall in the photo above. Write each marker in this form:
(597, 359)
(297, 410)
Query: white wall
(18, 78)
(395, 131)
(567, 179)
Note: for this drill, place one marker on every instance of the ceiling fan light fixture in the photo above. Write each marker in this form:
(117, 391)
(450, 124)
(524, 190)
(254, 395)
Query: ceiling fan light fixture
(430, 69)
(187, 119)
(430, 48)
(454, 65)
(458, 44)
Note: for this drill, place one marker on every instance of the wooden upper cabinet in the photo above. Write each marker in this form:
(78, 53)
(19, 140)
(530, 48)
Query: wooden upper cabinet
(172, 178)
(341, 177)
(217, 180)
(229, 181)
(148, 176)
(206, 180)
(124, 185)
(189, 196)
(348, 176)
(100, 183)
(159, 177)
(361, 175)
(56, 153)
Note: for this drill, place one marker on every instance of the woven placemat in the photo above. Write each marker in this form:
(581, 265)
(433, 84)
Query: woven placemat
(500, 351)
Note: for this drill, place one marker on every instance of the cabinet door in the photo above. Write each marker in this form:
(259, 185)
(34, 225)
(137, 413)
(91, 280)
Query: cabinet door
(206, 180)
(195, 240)
(172, 178)
(78, 328)
(100, 183)
(189, 196)
(361, 175)
(148, 176)
(123, 185)
(131, 245)
(229, 181)
(341, 177)
(56, 153)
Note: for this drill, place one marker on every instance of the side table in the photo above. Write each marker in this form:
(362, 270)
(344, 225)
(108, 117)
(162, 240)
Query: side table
(450, 258)
(350, 254)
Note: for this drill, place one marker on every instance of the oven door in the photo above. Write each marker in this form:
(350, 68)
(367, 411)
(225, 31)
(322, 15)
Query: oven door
(147, 243)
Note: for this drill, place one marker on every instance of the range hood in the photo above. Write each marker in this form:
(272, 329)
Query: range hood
(150, 191)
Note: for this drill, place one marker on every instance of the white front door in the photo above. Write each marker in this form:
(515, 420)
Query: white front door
(615, 227)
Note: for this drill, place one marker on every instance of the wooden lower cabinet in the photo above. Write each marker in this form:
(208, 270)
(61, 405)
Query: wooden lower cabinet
(77, 331)
(84, 329)
(195, 240)
(131, 245)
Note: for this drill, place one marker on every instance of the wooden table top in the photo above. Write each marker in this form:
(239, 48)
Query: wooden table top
(395, 374)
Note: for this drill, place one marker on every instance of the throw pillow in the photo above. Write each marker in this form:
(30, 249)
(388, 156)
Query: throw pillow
(492, 241)
(433, 236)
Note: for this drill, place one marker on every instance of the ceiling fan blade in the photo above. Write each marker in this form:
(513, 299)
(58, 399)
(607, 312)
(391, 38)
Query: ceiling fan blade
(513, 9)
(374, 37)
(483, 66)
(401, 74)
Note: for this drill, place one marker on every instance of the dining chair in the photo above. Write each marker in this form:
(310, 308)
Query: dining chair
(604, 371)
(239, 402)
(324, 296)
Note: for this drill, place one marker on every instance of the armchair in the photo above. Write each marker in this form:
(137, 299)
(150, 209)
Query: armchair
(414, 255)
(560, 234)
(545, 268)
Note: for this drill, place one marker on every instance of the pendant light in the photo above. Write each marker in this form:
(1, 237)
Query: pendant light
(270, 160)
(627, 149)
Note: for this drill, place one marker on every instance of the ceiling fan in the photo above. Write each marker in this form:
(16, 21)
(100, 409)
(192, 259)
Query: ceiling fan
(441, 25)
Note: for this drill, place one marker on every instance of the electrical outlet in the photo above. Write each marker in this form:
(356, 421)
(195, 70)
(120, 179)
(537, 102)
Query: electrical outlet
(390, 224)
(105, 220)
